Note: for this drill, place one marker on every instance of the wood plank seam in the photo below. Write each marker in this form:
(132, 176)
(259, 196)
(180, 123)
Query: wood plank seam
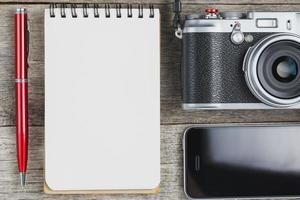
(156, 3)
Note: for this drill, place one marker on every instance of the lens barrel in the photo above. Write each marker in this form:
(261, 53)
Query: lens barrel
(272, 70)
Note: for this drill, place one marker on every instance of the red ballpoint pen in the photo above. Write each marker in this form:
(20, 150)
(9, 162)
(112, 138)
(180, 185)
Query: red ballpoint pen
(21, 90)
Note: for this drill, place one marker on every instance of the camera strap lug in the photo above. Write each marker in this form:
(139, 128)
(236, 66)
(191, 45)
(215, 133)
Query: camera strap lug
(177, 19)
(178, 32)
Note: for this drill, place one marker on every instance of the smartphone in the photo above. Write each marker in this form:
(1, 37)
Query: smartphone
(242, 162)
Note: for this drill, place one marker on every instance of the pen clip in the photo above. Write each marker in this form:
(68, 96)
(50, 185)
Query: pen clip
(27, 44)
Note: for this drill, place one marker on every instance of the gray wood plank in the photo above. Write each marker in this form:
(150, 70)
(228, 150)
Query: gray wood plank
(240, 2)
(87, 1)
(171, 168)
(36, 89)
(171, 152)
(171, 111)
(220, 2)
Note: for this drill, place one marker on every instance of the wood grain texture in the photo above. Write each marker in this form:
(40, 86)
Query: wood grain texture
(221, 2)
(86, 1)
(173, 119)
(171, 112)
(171, 168)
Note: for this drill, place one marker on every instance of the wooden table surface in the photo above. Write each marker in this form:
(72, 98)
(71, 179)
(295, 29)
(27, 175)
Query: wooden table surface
(173, 119)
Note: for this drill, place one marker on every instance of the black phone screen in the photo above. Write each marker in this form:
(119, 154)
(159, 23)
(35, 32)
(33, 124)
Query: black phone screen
(242, 161)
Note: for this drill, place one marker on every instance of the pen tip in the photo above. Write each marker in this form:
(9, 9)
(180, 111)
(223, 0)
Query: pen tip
(22, 178)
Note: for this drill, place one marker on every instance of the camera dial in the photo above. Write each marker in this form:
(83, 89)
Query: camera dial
(233, 15)
(237, 36)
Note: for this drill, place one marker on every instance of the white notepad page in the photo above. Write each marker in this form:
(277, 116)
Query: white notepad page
(102, 101)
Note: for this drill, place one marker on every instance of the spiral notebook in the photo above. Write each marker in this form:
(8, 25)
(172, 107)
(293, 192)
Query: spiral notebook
(102, 99)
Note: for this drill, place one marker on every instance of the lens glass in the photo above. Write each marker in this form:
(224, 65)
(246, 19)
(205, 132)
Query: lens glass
(278, 69)
(285, 69)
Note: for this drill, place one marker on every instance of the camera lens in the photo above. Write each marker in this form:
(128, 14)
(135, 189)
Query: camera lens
(271, 69)
(277, 69)
(285, 69)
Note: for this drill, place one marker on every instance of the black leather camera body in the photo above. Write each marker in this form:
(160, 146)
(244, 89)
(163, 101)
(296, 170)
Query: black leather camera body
(234, 60)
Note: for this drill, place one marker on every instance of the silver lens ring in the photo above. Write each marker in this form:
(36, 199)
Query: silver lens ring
(250, 69)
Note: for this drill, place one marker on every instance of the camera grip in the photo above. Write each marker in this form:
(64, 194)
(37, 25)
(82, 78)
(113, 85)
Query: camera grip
(212, 70)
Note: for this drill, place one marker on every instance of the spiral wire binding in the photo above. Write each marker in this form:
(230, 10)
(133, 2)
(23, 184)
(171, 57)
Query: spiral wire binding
(129, 10)
(52, 6)
(96, 7)
(84, 10)
(96, 12)
(140, 7)
(107, 10)
(63, 10)
(118, 10)
(73, 10)
(151, 7)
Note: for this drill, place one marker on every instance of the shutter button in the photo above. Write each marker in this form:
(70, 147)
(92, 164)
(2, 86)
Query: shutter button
(212, 10)
(212, 13)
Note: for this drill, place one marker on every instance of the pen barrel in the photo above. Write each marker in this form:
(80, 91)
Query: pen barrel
(21, 88)
(22, 124)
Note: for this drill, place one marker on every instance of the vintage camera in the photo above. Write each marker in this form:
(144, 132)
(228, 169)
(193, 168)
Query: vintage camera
(235, 60)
